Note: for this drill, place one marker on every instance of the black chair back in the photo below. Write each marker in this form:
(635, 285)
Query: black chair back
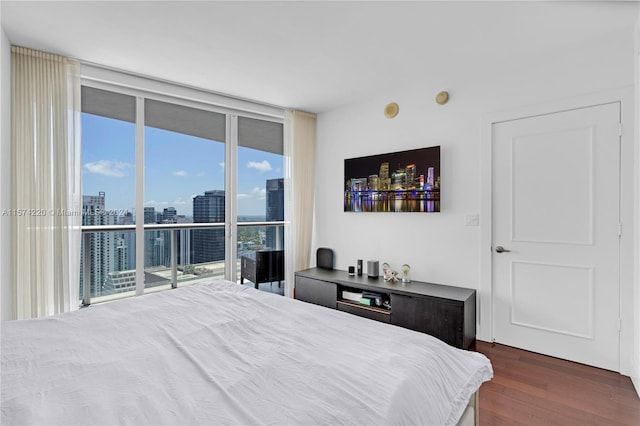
(324, 258)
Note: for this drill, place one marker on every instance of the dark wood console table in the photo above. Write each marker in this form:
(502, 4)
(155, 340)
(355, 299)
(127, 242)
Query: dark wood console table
(446, 312)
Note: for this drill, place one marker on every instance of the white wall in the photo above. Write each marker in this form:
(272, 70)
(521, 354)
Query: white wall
(5, 176)
(635, 367)
(439, 247)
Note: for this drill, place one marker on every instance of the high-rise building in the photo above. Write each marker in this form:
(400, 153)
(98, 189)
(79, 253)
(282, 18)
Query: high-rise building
(374, 182)
(120, 282)
(129, 240)
(102, 245)
(275, 212)
(384, 182)
(149, 237)
(430, 181)
(358, 184)
(399, 179)
(149, 215)
(121, 261)
(411, 176)
(157, 243)
(184, 242)
(160, 246)
(384, 171)
(169, 215)
(208, 244)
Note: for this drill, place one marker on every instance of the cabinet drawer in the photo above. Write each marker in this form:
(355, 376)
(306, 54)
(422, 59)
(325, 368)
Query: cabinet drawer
(363, 311)
(315, 291)
(440, 318)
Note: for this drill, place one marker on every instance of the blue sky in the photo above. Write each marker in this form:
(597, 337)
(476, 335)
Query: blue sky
(177, 167)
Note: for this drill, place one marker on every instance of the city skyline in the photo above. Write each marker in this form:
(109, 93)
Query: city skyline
(171, 180)
(422, 158)
(405, 181)
(184, 181)
(112, 254)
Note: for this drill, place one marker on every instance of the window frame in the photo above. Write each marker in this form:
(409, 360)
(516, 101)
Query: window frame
(147, 88)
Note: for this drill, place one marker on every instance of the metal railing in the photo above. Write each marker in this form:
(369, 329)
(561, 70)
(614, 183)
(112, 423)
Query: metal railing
(173, 227)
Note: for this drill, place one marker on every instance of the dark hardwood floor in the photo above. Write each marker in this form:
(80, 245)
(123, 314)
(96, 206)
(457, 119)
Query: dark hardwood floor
(533, 389)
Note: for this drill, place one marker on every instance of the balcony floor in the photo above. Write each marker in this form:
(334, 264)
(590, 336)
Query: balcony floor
(269, 287)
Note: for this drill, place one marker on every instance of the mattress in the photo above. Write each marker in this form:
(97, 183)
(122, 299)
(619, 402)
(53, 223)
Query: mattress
(222, 353)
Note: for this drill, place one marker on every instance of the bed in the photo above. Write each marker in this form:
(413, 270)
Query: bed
(219, 353)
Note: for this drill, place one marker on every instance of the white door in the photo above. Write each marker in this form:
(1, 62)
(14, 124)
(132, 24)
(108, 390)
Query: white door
(556, 216)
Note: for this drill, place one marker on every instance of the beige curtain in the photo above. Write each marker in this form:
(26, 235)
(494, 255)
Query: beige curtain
(299, 153)
(46, 195)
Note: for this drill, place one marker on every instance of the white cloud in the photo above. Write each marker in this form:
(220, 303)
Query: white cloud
(108, 168)
(259, 192)
(255, 193)
(154, 203)
(200, 174)
(181, 202)
(262, 166)
(221, 164)
(180, 173)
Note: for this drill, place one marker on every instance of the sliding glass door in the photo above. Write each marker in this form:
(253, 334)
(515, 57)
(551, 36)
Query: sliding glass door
(208, 181)
(260, 200)
(184, 182)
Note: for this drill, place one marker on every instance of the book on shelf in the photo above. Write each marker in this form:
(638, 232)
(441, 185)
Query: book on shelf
(366, 301)
(376, 298)
(366, 298)
(351, 295)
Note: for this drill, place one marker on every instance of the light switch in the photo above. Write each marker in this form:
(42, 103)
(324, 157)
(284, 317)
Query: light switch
(473, 220)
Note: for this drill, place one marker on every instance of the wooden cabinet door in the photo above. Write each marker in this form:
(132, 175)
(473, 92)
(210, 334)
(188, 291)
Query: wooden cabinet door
(440, 318)
(315, 291)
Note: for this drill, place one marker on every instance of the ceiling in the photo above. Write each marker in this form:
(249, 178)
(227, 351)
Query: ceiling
(314, 56)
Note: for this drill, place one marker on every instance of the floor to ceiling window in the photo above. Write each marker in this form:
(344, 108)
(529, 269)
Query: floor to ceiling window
(184, 155)
(206, 181)
(108, 190)
(260, 198)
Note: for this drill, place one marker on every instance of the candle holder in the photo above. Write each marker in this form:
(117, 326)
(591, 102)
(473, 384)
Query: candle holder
(406, 273)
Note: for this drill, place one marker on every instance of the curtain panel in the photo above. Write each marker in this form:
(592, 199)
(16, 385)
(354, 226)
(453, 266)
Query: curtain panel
(46, 195)
(299, 153)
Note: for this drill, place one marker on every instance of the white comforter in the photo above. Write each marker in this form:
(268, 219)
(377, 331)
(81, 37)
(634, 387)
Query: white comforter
(222, 353)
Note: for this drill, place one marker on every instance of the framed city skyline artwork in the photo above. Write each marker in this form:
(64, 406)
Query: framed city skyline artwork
(404, 181)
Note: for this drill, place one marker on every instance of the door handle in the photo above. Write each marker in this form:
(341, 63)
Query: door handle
(500, 249)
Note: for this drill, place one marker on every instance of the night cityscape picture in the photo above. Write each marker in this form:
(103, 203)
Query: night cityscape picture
(404, 181)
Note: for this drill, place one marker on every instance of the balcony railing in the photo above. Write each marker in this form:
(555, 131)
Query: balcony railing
(173, 228)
